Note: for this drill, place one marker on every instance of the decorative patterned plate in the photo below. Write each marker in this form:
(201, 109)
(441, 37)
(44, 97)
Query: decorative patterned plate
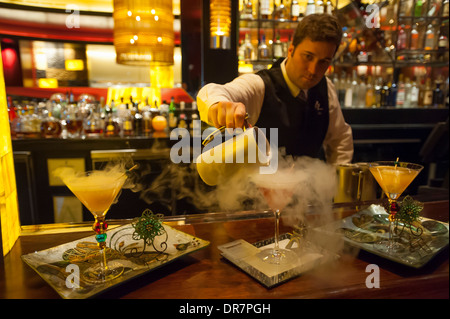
(423, 240)
(61, 266)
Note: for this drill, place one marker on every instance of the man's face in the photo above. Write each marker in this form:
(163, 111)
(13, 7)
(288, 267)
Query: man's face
(308, 62)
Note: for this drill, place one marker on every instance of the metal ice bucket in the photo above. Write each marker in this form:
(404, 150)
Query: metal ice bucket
(355, 183)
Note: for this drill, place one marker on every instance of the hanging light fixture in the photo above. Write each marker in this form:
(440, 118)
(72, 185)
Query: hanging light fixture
(143, 32)
(220, 24)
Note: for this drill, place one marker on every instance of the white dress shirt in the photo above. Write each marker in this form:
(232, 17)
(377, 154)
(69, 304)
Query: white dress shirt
(249, 90)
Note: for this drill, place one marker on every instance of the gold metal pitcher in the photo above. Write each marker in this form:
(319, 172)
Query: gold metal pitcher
(247, 151)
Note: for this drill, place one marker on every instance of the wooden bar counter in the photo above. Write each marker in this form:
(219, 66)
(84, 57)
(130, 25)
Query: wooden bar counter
(205, 274)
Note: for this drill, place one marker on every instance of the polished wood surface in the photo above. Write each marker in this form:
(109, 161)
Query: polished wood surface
(206, 275)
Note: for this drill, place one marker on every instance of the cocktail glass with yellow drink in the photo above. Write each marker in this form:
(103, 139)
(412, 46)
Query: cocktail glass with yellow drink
(97, 190)
(393, 177)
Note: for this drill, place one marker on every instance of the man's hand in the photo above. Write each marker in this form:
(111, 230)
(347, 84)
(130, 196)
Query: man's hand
(228, 114)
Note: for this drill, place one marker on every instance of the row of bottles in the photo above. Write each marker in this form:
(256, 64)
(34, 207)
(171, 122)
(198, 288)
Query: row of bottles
(266, 50)
(419, 37)
(376, 92)
(282, 10)
(56, 119)
(399, 36)
(423, 8)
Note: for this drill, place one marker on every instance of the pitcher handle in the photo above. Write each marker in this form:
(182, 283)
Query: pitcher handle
(220, 130)
(360, 186)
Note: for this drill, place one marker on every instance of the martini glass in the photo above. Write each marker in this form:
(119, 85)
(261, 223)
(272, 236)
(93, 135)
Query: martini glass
(277, 190)
(393, 177)
(97, 190)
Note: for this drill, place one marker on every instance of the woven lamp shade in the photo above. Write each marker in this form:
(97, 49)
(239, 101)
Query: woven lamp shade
(220, 24)
(143, 32)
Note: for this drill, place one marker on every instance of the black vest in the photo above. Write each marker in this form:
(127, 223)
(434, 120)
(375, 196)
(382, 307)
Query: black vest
(301, 126)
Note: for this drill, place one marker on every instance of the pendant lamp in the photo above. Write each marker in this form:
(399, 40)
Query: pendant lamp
(143, 32)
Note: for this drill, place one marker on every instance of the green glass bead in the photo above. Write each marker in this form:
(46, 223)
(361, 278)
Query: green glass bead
(100, 238)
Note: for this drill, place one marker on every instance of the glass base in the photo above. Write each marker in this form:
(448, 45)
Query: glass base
(389, 247)
(278, 256)
(97, 274)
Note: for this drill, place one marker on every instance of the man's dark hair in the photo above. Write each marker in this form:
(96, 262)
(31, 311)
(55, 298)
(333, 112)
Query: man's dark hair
(318, 27)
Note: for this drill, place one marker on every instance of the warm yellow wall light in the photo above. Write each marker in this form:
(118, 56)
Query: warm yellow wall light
(48, 83)
(74, 65)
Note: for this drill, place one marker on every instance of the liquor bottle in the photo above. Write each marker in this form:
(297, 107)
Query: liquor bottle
(421, 84)
(336, 83)
(320, 6)
(430, 40)
(127, 122)
(295, 10)
(414, 96)
(442, 47)
(363, 55)
(408, 87)
(401, 92)
(428, 94)
(147, 127)
(182, 123)
(281, 12)
(112, 127)
(247, 51)
(418, 8)
(362, 91)
(192, 122)
(172, 116)
(384, 95)
(355, 89)
(73, 121)
(247, 10)
(164, 110)
(377, 90)
(348, 93)
(438, 96)
(329, 7)
(12, 115)
(264, 9)
(310, 7)
(263, 49)
(50, 126)
(17, 123)
(11, 112)
(433, 8)
(442, 42)
(93, 126)
(405, 8)
(32, 124)
(402, 38)
(445, 8)
(369, 101)
(414, 38)
(138, 122)
(393, 91)
(278, 48)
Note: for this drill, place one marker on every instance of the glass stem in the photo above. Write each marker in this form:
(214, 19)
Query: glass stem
(103, 263)
(393, 208)
(277, 228)
(390, 233)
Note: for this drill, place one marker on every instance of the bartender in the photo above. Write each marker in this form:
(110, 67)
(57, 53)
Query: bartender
(294, 96)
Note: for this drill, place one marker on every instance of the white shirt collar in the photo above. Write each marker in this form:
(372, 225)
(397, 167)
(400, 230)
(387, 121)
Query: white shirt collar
(295, 90)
